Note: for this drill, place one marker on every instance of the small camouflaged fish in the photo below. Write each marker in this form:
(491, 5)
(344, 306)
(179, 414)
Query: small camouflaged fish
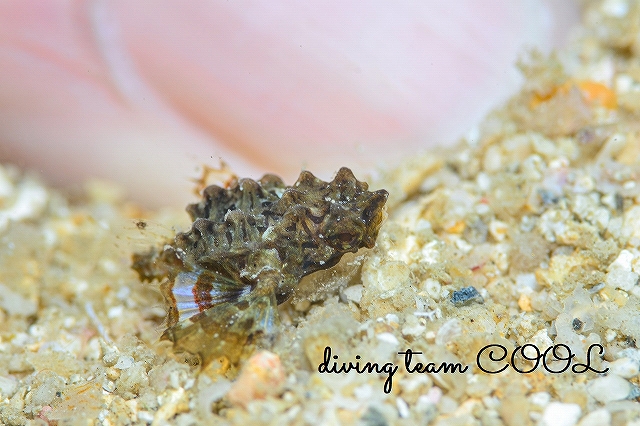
(247, 250)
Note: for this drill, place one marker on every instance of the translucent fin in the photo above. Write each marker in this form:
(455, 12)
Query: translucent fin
(137, 235)
(193, 292)
(229, 329)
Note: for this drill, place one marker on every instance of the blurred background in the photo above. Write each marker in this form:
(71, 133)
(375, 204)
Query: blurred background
(145, 94)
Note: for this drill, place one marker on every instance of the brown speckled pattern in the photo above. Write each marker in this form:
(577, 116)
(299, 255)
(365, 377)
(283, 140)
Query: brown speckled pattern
(248, 248)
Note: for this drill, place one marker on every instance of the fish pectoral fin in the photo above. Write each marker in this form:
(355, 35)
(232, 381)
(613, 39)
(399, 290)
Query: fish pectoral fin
(228, 329)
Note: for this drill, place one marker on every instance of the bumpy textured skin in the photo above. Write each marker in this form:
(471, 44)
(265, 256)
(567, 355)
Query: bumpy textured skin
(248, 248)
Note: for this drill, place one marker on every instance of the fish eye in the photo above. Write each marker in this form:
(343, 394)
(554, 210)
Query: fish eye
(342, 240)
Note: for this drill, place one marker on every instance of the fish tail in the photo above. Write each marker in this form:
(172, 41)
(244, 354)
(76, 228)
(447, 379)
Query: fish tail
(230, 329)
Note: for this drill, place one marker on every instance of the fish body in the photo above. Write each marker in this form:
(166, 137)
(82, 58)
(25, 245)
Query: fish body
(248, 248)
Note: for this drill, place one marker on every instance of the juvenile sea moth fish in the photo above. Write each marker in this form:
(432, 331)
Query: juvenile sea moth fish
(248, 248)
